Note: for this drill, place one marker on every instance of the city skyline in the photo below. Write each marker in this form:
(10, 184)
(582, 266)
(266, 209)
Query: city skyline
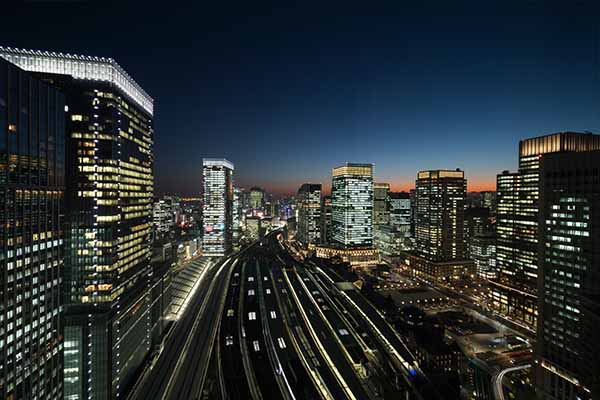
(286, 202)
(504, 75)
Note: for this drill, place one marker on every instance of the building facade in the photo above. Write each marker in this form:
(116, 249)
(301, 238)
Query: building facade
(514, 292)
(440, 251)
(163, 216)
(352, 205)
(256, 198)
(381, 212)
(309, 214)
(326, 210)
(108, 224)
(440, 215)
(32, 190)
(567, 348)
(482, 250)
(400, 212)
(217, 207)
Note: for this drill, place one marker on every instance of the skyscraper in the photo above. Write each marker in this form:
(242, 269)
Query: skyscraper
(32, 189)
(381, 212)
(257, 198)
(352, 205)
(108, 221)
(163, 216)
(567, 347)
(440, 216)
(326, 220)
(236, 224)
(351, 233)
(514, 292)
(400, 212)
(309, 214)
(218, 207)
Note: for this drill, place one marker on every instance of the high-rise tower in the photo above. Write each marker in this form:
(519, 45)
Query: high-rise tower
(217, 207)
(514, 291)
(32, 189)
(567, 348)
(108, 219)
(309, 213)
(352, 205)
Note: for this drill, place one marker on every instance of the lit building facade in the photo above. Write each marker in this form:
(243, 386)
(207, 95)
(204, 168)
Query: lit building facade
(163, 216)
(514, 292)
(108, 224)
(256, 198)
(440, 215)
(326, 210)
(567, 348)
(352, 205)
(218, 207)
(381, 212)
(482, 250)
(440, 252)
(32, 189)
(308, 204)
(237, 215)
(400, 212)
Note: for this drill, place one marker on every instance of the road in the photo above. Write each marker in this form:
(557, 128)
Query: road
(497, 380)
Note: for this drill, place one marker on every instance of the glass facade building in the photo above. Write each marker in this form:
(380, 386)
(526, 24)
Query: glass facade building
(108, 224)
(381, 212)
(326, 220)
(514, 292)
(217, 207)
(440, 215)
(32, 188)
(352, 205)
(567, 347)
(309, 214)
(400, 212)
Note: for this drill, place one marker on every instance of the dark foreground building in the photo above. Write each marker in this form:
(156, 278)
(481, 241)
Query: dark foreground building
(109, 187)
(32, 188)
(567, 347)
(514, 291)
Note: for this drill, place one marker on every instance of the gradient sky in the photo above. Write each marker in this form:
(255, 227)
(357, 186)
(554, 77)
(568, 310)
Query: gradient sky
(288, 92)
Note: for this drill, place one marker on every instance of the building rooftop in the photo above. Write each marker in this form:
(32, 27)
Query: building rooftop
(217, 162)
(79, 67)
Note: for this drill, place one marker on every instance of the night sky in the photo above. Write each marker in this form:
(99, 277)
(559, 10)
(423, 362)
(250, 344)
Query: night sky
(287, 93)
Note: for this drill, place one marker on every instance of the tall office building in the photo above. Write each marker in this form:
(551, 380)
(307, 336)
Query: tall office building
(381, 213)
(32, 189)
(257, 198)
(218, 204)
(108, 224)
(514, 292)
(163, 216)
(567, 347)
(309, 214)
(326, 222)
(352, 205)
(400, 212)
(237, 215)
(440, 216)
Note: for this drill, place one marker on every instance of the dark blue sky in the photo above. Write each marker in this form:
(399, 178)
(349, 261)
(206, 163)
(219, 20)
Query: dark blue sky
(287, 93)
